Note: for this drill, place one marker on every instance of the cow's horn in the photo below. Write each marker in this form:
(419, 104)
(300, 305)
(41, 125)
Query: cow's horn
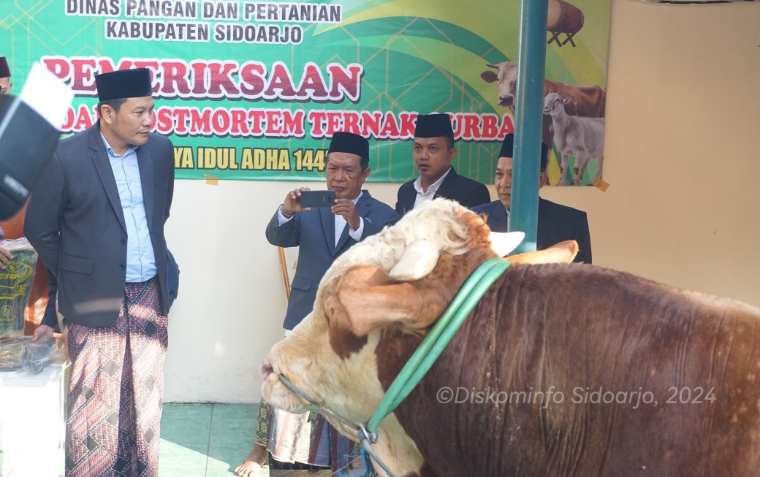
(496, 67)
(503, 243)
(418, 260)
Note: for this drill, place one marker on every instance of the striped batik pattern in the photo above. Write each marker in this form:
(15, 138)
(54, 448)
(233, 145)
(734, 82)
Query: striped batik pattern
(114, 398)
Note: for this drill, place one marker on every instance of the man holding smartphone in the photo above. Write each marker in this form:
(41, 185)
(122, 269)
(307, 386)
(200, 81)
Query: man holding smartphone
(323, 232)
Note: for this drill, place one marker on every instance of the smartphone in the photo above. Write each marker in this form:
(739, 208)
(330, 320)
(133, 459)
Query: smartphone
(318, 198)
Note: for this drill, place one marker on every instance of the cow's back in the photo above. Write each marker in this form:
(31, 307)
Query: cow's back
(565, 328)
(585, 101)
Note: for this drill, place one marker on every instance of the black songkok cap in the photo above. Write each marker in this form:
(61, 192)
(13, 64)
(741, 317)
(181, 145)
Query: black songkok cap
(350, 143)
(5, 72)
(433, 125)
(123, 84)
(507, 148)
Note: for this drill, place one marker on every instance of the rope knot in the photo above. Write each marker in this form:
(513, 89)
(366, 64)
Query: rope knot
(365, 435)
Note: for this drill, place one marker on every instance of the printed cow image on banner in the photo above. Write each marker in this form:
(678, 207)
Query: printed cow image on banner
(254, 90)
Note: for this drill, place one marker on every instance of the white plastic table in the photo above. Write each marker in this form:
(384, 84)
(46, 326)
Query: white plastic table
(32, 420)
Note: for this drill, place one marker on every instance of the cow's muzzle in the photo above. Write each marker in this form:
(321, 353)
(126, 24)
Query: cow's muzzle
(506, 101)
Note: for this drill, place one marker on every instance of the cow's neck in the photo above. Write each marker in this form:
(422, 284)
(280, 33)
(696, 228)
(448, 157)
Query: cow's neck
(396, 347)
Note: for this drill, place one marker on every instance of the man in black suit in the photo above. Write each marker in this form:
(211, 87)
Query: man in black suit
(97, 220)
(556, 223)
(433, 151)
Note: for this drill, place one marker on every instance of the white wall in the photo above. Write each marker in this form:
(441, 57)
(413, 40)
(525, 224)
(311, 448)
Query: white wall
(683, 208)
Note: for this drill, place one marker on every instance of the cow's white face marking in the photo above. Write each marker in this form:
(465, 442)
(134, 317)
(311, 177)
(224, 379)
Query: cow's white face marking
(507, 83)
(350, 387)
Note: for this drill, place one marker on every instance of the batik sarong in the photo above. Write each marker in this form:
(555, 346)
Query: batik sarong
(114, 399)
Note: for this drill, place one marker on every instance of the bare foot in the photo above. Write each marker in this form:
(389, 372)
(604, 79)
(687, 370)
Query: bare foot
(253, 463)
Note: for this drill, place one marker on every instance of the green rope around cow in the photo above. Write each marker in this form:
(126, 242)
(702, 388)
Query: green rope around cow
(425, 356)
(439, 337)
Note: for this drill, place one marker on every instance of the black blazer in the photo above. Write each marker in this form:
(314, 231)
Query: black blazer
(50, 317)
(466, 191)
(556, 223)
(75, 222)
(314, 232)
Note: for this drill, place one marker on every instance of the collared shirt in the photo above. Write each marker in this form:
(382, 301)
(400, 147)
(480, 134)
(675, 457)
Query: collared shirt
(141, 262)
(340, 223)
(423, 197)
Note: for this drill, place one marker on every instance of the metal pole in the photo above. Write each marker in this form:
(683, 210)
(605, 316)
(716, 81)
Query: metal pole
(284, 265)
(531, 61)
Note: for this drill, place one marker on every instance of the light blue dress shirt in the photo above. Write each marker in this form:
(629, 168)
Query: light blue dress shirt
(141, 263)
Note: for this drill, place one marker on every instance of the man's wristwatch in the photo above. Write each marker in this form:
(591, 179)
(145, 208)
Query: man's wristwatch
(284, 214)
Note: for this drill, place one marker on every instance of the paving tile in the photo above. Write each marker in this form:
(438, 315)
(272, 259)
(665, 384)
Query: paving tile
(187, 411)
(179, 461)
(185, 431)
(231, 441)
(235, 412)
(188, 426)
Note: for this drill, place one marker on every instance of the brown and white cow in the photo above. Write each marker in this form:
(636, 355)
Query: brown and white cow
(554, 329)
(584, 101)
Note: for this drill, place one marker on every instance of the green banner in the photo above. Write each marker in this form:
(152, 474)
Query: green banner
(254, 90)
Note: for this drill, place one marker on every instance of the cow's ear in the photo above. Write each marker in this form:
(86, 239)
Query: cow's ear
(563, 252)
(489, 76)
(503, 243)
(368, 299)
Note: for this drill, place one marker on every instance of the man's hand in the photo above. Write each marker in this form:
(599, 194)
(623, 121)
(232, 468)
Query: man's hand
(292, 202)
(347, 210)
(5, 258)
(42, 331)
